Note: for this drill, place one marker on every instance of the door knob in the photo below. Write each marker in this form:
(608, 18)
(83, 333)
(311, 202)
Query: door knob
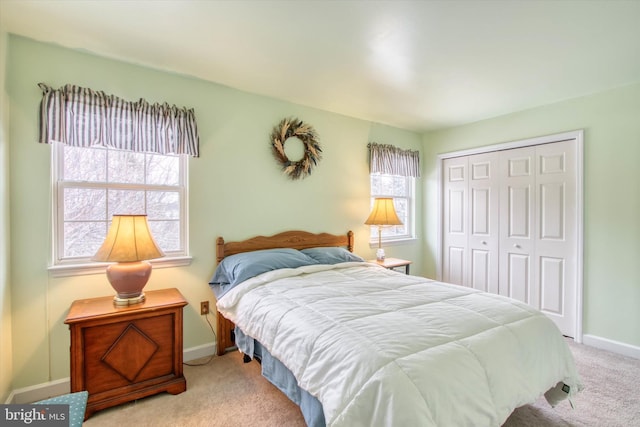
(517, 246)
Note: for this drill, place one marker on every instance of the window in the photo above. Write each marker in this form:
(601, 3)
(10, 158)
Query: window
(113, 156)
(402, 190)
(92, 184)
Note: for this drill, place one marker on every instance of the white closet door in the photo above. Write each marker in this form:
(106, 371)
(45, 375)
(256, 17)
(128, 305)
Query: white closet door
(538, 254)
(484, 222)
(517, 234)
(555, 290)
(455, 217)
(510, 226)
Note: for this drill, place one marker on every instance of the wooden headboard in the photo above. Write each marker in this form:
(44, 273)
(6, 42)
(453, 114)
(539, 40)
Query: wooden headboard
(287, 239)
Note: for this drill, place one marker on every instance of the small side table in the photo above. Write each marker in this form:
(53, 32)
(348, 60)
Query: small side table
(393, 263)
(120, 354)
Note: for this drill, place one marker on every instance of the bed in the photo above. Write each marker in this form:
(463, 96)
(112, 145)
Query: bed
(355, 344)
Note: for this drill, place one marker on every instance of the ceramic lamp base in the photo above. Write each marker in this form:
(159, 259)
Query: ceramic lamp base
(380, 254)
(128, 279)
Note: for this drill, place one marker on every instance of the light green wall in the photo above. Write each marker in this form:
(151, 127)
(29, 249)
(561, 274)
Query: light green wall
(611, 123)
(5, 290)
(236, 190)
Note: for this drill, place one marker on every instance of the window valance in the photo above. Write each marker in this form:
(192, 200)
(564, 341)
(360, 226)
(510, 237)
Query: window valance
(391, 160)
(83, 117)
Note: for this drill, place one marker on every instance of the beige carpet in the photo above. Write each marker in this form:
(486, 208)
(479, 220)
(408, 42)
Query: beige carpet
(227, 392)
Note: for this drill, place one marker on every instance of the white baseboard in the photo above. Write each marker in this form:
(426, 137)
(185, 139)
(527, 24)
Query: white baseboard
(204, 350)
(40, 391)
(63, 385)
(612, 346)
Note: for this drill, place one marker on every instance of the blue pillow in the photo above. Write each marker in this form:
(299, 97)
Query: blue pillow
(331, 255)
(237, 268)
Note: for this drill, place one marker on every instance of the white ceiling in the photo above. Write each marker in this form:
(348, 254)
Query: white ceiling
(418, 65)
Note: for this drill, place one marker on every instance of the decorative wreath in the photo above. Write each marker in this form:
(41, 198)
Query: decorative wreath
(293, 127)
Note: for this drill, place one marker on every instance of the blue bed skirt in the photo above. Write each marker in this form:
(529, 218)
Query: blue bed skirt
(281, 377)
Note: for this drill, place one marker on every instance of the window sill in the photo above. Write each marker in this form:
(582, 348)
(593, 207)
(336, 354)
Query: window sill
(394, 242)
(65, 270)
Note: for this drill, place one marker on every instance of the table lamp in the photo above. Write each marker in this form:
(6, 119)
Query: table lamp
(129, 244)
(382, 214)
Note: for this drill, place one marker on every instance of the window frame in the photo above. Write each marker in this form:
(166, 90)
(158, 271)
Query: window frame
(72, 266)
(411, 213)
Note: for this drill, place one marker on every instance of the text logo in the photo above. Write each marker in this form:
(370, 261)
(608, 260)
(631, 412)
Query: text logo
(34, 415)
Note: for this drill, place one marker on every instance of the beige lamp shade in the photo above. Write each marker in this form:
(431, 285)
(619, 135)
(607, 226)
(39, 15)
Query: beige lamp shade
(129, 244)
(129, 239)
(383, 213)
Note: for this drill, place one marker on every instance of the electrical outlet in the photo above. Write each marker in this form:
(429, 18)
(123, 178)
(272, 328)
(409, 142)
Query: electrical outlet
(204, 307)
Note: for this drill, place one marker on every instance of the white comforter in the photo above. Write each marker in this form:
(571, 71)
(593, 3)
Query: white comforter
(381, 348)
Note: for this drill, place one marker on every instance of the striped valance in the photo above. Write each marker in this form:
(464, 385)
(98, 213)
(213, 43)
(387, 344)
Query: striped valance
(391, 160)
(83, 117)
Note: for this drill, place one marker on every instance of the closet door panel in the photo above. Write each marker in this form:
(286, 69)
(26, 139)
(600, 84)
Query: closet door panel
(484, 238)
(519, 214)
(517, 232)
(456, 207)
(552, 280)
(557, 233)
(481, 270)
(519, 277)
(455, 218)
(455, 264)
(552, 206)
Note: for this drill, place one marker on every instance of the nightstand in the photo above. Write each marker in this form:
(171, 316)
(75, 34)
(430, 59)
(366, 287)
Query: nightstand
(120, 354)
(393, 263)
